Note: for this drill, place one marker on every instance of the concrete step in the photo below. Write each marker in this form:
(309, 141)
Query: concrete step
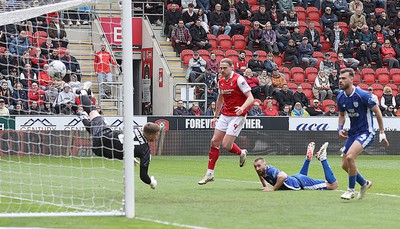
(168, 49)
(170, 54)
(174, 64)
(164, 43)
(173, 58)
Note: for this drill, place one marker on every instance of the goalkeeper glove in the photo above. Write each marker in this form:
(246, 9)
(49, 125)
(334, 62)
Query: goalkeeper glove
(382, 136)
(153, 183)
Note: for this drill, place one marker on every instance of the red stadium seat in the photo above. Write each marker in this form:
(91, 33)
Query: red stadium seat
(311, 74)
(224, 42)
(219, 54)
(247, 25)
(297, 74)
(285, 71)
(278, 60)
(40, 34)
(344, 26)
(363, 86)
(307, 90)
(292, 86)
(313, 14)
(255, 8)
(382, 74)
(232, 54)
(356, 78)
(326, 45)
(378, 11)
(312, 9)
(327, 103)
(32, 51)
(262, 55)
(169, 7)
(252, 2)
(319, 56)
(249, 55)
(186, 55)
(39, 41)
(239, 42)
(378, 90)
(318, 27)
(29, 34)
(302, 26)
(212, 39)
(301, 13)
(395, 75)
(394, 88)
(334, 57)
(204, 54)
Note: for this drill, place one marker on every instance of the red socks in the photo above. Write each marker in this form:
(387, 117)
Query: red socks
(213, 157)
(214, 154)
(235, 149)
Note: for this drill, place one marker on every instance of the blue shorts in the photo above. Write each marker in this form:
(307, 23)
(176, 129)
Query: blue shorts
(308, 183)
(365, 139)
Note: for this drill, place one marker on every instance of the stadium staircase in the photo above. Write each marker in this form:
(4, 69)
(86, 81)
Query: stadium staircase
(81, 46)
(174, 62)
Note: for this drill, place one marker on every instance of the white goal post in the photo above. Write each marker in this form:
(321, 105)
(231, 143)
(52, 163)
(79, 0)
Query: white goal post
(46, 164)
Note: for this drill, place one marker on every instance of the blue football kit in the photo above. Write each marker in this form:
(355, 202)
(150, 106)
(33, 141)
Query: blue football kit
(295, 182)
(358, 106)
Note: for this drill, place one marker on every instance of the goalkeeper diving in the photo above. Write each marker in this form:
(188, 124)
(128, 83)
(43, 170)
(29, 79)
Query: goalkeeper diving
(109, 143)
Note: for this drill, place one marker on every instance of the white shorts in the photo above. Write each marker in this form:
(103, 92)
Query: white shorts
(231, 125)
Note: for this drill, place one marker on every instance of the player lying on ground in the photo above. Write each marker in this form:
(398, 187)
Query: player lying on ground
(281, 181)
(359, 106)
(109, 143)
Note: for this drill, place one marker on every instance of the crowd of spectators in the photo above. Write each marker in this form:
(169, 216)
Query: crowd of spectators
(359, 34)
(26, 50)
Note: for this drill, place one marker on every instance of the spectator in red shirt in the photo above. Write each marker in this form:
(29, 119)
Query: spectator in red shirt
(36, 94)
(44, 78)
(102, 62)
(269, 110)
(253, 82)
(213, 64)
(241, 63)
(389, 55)
(38, 60)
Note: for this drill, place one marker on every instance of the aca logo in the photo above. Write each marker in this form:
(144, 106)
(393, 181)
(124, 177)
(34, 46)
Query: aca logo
(164, 124)
(312, 127)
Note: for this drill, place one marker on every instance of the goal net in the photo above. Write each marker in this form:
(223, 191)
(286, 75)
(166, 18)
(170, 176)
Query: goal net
(46, 162)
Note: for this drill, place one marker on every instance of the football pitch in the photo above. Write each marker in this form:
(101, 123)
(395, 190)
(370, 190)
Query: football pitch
(235, 199)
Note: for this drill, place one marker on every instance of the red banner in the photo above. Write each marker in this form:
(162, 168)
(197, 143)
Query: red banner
(113, 32)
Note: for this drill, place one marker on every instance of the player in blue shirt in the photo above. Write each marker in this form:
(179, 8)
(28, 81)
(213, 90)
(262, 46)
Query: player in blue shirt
(281, 181)
(359, 105)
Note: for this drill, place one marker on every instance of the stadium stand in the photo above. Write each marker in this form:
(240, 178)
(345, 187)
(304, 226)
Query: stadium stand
(230, 46)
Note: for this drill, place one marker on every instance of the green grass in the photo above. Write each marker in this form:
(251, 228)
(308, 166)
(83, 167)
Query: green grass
(233, 200)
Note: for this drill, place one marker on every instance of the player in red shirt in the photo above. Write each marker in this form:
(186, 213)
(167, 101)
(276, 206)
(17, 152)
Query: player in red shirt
(236, 98)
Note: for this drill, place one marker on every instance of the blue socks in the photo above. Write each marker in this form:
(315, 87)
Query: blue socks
(360, 179)
(352, 181)
(304, 169)
(329, 176)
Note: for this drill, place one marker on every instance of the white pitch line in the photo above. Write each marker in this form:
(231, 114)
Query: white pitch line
(170, 223)
(368, 193)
